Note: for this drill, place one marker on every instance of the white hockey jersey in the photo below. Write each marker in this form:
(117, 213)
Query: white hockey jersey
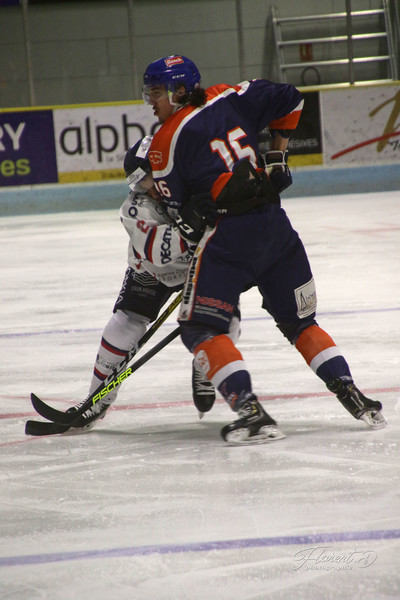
(155, 244)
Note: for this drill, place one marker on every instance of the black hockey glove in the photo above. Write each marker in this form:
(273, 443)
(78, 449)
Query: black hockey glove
(195, 215)
(246, 189)
(278, 170)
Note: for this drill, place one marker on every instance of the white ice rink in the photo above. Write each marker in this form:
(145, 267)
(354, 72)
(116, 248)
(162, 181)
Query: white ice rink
(152, 504)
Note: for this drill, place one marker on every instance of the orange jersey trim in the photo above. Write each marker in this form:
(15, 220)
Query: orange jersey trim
(162, 138)
(219, 184)
(289, 121)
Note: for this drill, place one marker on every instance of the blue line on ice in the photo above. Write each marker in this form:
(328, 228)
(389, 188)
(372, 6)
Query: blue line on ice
(318, 538)
(267, 317)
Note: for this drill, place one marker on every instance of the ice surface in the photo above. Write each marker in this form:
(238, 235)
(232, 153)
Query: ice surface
(151, 504)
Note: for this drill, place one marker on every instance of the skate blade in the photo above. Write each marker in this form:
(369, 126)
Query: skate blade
(374, 420)
(265, 435)
(201, 414)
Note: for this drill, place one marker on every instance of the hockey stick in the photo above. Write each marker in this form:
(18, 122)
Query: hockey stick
(44, 428)
(62, 421)
(116, 377)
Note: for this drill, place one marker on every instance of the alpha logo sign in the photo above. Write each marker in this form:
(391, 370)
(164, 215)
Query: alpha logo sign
(27, 149)
(362, 125)
(91, 141)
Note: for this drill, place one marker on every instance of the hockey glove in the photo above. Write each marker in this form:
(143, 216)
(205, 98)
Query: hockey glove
(245, 190)
(278, 170)
(195, 215)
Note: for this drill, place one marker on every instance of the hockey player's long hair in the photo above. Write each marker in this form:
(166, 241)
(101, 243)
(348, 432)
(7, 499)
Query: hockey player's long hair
(195, 98)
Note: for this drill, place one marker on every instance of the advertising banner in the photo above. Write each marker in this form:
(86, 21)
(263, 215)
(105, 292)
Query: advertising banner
(305, 144)
(88, 142)
(361, 125)
(91, 142)
(27, 148)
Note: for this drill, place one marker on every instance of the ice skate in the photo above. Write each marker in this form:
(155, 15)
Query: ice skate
(203, 391)
(95, 412)
(357, 404)
(254, 425)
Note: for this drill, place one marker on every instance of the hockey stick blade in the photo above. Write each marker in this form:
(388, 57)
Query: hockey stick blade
(111, 380)
(50, 413)
(41, 428)
(70, 418)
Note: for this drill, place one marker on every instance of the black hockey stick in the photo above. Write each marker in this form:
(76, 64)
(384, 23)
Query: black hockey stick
(115, 378)
(44, 428)
(68, 419)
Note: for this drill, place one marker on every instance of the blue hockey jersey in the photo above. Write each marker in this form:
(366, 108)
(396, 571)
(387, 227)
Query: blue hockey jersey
(196, 148)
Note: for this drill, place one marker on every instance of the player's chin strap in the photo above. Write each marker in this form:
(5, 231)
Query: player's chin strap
(175, 105)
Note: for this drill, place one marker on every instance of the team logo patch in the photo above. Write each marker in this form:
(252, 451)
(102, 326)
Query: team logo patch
(306, 299)
(175, 60)
(155, 157)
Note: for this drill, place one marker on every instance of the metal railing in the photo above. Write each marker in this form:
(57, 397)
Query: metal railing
(389, 16)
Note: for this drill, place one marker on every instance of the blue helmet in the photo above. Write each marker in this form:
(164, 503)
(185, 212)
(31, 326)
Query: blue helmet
(171, 71)
(136, 162)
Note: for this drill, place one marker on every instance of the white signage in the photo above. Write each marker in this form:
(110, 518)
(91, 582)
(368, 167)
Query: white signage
(361, 125)
(91, 142)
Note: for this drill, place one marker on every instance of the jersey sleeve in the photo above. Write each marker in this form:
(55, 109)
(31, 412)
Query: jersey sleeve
(270, 104)
(152, 238)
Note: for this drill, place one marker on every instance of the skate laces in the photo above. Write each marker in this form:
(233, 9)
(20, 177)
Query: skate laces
(201, 380)
(202, 385)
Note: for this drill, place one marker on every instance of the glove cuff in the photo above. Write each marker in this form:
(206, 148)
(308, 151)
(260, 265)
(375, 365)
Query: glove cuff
(276, 160)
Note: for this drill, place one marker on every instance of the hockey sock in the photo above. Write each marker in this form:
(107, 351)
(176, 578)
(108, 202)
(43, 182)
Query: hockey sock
(120, 335)
(223, 364)
(322, 355)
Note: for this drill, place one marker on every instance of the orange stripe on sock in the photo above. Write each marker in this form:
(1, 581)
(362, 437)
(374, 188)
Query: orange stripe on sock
(214, 354)
(312, 341)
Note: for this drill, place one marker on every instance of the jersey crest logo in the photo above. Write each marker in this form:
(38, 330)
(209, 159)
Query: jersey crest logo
(176, 60)
(155, 157)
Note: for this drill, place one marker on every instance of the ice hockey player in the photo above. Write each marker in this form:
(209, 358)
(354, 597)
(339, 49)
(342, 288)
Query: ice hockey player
(207, 144)
(158, 258)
